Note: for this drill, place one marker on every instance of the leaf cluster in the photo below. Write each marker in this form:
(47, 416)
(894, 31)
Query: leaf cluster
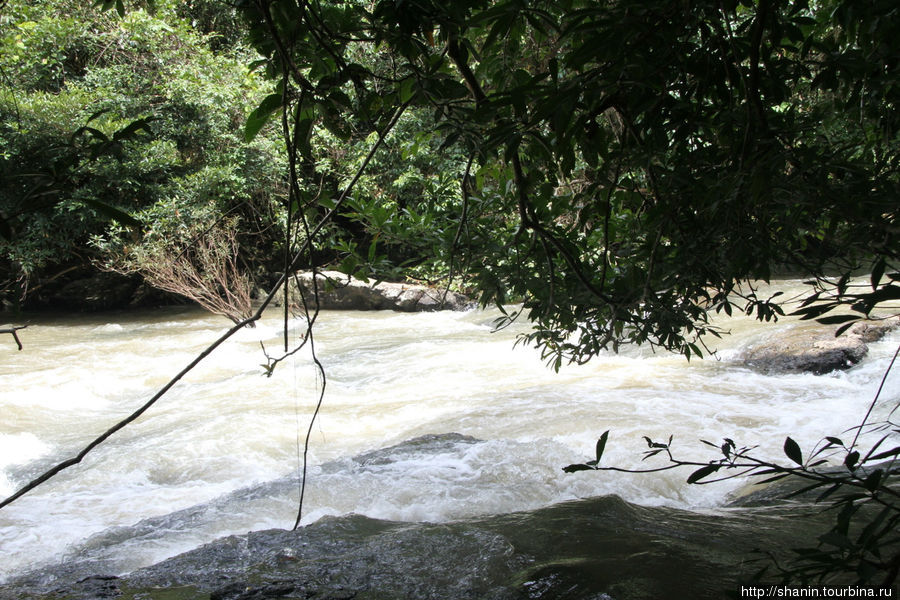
(861, 547)
(629, 167)
(109, 121)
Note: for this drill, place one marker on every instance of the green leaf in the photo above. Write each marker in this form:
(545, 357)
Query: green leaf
(703, 472)
(407, 89)
(792, 451)
(260, 116)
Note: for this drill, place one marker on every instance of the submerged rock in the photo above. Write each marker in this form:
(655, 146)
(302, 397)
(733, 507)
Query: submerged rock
(594, 549)
(811, 348)
(337, 291)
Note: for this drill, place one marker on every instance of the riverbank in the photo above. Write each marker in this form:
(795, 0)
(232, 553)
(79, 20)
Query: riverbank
(100, 291)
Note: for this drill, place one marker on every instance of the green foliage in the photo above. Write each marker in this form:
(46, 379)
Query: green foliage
(107, 118)
(859, 489)
(622, 169)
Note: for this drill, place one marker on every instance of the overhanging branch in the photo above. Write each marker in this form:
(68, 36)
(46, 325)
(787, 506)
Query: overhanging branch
(58, 468)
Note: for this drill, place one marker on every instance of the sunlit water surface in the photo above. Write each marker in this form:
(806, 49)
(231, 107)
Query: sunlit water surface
(226, 441)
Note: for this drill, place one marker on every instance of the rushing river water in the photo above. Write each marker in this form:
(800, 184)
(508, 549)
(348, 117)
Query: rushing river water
(219, 454)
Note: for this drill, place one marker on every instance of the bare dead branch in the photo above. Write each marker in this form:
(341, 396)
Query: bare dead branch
(205, 270)
(58, 468)
(12, 331)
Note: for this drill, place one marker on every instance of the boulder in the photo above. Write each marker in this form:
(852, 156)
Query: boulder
(813, 348)
(98, 291)
(337, 291)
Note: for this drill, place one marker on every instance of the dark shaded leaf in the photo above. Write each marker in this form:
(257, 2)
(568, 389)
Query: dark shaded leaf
(260, 116)
(834, 538)
(835, 319)
(887, 453)
(703, 472)
(792, 451)
(128, 132)
(580, 467)
(840, 330)
(873, 481)
(807, 488)
(829, 491)
(650, 453)
(773, 478)
(877, 272)
(601, 445)
(113, 212)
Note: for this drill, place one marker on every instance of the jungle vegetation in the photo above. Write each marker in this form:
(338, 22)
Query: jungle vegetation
(622, 170)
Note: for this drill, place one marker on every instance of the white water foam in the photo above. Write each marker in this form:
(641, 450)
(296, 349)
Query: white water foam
(390, 378)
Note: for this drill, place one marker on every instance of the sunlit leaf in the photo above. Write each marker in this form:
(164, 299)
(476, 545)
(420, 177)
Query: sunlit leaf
(261, 115)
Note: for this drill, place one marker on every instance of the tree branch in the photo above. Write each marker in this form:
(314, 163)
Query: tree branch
(12, 331)
(55, 470)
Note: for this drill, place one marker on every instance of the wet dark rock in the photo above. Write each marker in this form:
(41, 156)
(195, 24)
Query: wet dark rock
(100, 291)
(594, 549)
(95, 586)
(247, 591)
(432, 443)
(92, 291)
(813, 348)
(337, 291)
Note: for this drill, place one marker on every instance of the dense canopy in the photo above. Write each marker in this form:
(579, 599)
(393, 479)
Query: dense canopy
(623, 169)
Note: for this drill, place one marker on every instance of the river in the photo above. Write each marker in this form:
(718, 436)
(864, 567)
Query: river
(220, 453)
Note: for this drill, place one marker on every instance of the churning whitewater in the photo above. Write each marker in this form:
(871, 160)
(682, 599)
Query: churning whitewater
(426, 417)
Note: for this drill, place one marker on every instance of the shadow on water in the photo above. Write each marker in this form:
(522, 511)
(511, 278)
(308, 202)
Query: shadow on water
(592, 549)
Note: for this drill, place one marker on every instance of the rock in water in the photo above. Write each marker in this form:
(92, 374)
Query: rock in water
(811, 348)
(337, 291)
(595, 549)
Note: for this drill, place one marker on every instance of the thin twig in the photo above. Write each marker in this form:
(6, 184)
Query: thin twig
(58, 468)
(875, 399)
